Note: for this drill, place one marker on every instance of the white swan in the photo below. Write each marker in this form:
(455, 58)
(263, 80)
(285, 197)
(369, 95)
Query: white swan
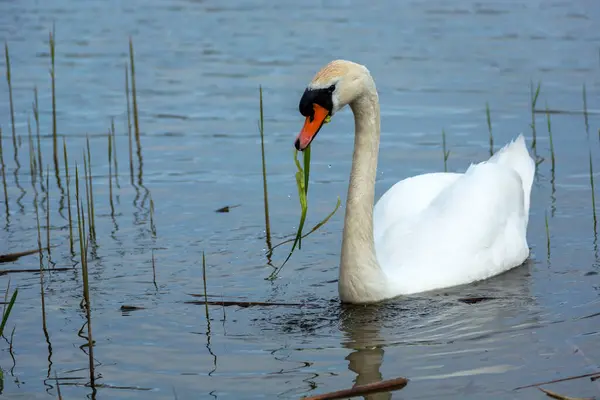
(426, 232)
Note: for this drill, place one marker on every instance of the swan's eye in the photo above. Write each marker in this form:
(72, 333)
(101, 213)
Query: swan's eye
(331, 89)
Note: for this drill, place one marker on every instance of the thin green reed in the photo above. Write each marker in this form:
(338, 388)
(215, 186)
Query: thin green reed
(585, 112)
(53, 82)
(68, 181)
(593, 195)
(205, 291)
(264, 169)
(32, 159)
(7, 310)
(36, 117)
(489, 124)
(110, 188)
(91, 191)
(152, 226)
(10, 96)
(534, 98)
(114, 143)
(446, 153)
(87, 193)
(550, 139)
(134, 95)
(83, 244)
(547, 235)
(1, 149)
(129, 123)
(41, 257)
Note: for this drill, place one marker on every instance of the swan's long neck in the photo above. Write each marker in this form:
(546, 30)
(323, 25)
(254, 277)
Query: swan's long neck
(361, 279)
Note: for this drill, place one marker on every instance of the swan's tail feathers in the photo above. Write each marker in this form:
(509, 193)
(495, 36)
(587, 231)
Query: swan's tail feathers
(516, 156)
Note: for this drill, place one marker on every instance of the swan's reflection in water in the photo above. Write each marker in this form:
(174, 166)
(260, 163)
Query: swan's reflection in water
(463, 314)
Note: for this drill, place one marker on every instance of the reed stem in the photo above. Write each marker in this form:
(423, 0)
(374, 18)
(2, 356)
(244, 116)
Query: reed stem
(489, 124)
(68, 181)
(129, 123)
(10, 97)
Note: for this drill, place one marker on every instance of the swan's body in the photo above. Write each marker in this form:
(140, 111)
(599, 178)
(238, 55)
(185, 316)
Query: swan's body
(426, 232)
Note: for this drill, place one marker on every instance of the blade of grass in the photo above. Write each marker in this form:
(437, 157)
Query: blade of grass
(264, 171)
(302, 177)
(8, 310)
(68, 181)
(316, 227)
(10, 96)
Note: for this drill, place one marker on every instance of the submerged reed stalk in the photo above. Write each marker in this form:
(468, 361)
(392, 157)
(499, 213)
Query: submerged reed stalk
(446, 153)
(68, 181)
(489, 124)
(264, 171)
(129, 124)
(10, 96)
(534, 98)
(36, 117)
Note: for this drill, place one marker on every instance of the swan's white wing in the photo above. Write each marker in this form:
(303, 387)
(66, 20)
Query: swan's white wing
(472, 229)
(407, 198)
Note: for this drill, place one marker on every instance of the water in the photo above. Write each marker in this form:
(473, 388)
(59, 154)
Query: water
(199, 65)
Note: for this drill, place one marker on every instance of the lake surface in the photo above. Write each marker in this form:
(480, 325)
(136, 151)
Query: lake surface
(199, 65)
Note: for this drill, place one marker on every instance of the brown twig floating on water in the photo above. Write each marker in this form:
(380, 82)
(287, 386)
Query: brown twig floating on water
(591, 375)
(4, 258)
(33, 270)
(243, 304)
(362, 390)
(555, 395)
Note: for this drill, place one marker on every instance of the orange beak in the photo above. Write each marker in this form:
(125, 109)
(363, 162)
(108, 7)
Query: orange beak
(311, 127)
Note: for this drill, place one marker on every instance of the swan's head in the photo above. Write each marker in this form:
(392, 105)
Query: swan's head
(336, 85)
